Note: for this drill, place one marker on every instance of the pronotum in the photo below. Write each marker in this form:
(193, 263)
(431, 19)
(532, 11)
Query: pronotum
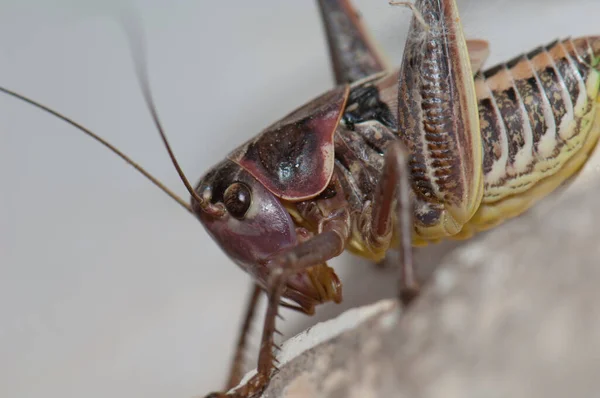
(359, 121)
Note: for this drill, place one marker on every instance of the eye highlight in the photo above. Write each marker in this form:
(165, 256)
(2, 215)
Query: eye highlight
(237, 199)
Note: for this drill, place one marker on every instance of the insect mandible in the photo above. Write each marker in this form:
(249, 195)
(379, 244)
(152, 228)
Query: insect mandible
(477, 154)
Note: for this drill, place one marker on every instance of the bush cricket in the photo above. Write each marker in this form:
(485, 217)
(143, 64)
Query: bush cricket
(437, 149)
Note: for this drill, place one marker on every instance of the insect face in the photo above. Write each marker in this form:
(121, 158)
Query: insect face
(252, 226)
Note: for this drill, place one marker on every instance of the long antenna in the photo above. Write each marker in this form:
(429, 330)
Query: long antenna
(104, 142)
(138, 51)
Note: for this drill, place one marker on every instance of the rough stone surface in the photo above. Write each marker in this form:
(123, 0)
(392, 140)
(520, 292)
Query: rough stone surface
(514, 313)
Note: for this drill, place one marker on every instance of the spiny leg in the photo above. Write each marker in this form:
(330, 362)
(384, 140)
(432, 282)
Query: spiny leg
(237, 365)
(319, 249)
(353, 54)
(438, 129)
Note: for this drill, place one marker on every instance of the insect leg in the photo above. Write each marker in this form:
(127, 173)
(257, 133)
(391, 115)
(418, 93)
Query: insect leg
(438, 122)
(321, 248)
(353, 54)
(237, 365)
(393, 202)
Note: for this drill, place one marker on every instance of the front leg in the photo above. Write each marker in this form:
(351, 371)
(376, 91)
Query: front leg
(236, 370)
(317, 250)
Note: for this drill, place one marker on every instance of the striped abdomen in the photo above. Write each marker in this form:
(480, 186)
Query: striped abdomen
(539, 119)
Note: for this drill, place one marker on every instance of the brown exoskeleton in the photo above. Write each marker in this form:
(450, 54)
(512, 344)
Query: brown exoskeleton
(437, 149)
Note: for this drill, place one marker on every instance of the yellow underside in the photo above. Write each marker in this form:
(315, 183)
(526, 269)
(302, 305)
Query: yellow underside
(504, 202)
(490, 214)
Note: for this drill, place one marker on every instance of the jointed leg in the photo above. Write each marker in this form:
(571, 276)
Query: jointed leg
(237, 365)
(438, 121)
(321, 248)
(393, 199)
(353, 54)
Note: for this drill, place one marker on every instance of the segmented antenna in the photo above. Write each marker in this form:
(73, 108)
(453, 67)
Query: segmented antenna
(138, 50)
(139, 59)
(104, 142)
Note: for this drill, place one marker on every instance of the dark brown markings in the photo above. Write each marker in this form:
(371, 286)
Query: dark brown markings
(294, 158)
(490, 133)
(328, 193)
(569, 76)
(581, 54)
(363, 163)
(571, 61)
(559, 64)
(532, 92)
(429, 217)
(284, 150)
(552, 88)
(376, 137)
(437, 124)
(435, 138)
(512, 117)
(534, 104)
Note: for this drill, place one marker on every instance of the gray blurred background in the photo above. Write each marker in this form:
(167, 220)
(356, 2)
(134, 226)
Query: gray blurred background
(108, 288)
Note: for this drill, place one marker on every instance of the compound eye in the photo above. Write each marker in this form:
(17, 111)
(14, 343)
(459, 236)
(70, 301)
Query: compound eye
(237, 199)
